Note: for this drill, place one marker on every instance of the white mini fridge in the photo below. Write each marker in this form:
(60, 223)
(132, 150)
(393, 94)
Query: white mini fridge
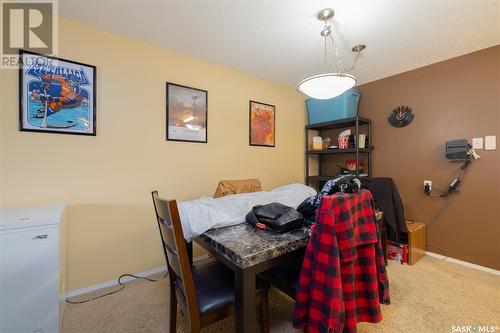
(29, 269)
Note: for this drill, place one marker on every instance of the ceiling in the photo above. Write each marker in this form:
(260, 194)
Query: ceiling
(279, 40)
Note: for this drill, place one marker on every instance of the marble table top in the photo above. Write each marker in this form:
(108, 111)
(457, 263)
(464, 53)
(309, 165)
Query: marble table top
(246, 245)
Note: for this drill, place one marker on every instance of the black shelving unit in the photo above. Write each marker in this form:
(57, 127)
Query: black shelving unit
(354, 122)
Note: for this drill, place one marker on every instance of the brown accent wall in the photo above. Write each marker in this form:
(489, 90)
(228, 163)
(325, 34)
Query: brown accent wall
(457, 98)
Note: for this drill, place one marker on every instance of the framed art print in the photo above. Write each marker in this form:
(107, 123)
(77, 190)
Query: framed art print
(262, 124)
(56, 95)
(187, 113)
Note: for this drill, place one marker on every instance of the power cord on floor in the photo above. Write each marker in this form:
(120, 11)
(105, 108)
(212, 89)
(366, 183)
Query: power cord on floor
(443, 252)
(120, 288)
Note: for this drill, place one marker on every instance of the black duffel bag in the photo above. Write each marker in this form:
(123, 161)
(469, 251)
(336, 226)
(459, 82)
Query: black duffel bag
(275, 217)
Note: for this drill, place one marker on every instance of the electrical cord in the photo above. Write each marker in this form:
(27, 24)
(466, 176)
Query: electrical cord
(120, 288)
(436, 196)
(456, 182)
(440, 249)
(439, 190)
(452, 188)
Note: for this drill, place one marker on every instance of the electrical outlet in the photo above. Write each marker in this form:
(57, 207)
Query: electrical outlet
(427, 186)
(477, 143)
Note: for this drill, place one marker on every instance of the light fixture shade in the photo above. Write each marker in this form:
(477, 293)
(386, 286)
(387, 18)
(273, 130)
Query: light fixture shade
(325, 86)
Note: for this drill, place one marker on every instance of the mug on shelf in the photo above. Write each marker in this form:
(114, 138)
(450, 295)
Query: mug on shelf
(343, 142)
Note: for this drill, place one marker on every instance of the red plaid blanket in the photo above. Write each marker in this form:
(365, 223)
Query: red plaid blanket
(343, 278)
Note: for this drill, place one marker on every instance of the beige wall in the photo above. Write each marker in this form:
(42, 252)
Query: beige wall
(457, 98)
(106, 180)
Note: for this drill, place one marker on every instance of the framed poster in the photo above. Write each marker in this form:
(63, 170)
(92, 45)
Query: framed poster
(187, 113)
(262, 127)
(56, 95)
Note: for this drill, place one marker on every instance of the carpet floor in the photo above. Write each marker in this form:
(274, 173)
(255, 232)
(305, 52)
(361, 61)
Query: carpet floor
(431, 296)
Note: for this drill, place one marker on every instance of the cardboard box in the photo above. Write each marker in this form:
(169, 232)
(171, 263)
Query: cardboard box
(416, 241)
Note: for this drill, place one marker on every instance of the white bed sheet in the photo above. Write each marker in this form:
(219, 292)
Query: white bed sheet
(200, 215)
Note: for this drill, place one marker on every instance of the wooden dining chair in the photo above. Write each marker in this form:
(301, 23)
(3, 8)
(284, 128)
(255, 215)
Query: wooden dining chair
(204, 291)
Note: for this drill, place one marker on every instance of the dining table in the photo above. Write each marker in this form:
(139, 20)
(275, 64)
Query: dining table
(248, 251)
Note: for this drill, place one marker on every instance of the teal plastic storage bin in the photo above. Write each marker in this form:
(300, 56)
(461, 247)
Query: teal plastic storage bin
(340, 107)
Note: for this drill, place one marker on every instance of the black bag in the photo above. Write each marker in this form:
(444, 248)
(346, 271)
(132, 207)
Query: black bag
(345, 183)
(275, 217)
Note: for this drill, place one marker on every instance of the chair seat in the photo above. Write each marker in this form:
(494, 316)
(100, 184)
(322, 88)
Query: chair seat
(214, 284)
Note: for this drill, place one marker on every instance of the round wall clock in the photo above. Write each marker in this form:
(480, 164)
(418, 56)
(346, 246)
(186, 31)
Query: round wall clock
(401, 116)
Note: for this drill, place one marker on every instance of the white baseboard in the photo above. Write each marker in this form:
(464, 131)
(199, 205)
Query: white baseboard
(463, 263)
(114, 282)
(160, 269)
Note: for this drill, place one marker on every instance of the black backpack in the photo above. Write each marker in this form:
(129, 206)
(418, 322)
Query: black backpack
(275, 217)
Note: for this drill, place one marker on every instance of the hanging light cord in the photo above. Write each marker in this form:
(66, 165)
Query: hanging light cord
(355, 61)
(324, 56)
(327, 32)
(340, 68)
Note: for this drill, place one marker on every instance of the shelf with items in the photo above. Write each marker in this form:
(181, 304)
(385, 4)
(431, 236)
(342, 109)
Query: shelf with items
(340, 151)
(342, 123)
(327, 163)
(325, 178)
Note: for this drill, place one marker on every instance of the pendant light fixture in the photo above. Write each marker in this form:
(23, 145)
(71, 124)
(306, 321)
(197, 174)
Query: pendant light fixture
(330, 84)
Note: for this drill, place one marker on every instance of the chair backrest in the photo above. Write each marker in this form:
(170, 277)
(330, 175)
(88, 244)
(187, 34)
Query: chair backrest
(176, 255)
(227, 187)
